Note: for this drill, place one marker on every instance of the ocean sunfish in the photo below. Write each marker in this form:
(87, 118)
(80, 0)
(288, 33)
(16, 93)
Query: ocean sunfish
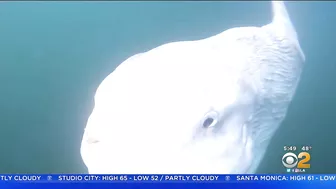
(209, 106)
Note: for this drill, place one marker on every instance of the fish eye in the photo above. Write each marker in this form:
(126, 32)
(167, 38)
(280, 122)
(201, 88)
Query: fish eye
(210, 120)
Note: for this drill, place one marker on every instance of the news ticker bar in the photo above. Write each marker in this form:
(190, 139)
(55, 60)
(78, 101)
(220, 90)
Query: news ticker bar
(52, 178)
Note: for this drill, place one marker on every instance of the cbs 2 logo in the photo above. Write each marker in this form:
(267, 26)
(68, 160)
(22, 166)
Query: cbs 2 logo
(290, 160)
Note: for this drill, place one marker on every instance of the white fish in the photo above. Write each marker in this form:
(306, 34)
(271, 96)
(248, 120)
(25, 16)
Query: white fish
(196, 107)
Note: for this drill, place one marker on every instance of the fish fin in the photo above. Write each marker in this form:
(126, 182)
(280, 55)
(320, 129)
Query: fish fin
(283, 25)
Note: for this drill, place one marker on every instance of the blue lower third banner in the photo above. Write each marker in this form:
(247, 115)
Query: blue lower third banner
(166, 181)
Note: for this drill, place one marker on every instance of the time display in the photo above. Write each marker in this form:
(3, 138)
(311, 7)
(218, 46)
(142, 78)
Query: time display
(289, 148)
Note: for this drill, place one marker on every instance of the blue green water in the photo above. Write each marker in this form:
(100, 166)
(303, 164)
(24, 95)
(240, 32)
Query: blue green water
(53, 56)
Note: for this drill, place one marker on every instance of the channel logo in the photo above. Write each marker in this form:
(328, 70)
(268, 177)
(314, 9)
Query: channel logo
(300, 161)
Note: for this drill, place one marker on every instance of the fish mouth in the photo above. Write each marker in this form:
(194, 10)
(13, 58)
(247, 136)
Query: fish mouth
(91, 140)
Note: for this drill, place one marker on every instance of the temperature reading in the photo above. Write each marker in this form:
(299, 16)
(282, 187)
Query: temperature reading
(306, 148)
